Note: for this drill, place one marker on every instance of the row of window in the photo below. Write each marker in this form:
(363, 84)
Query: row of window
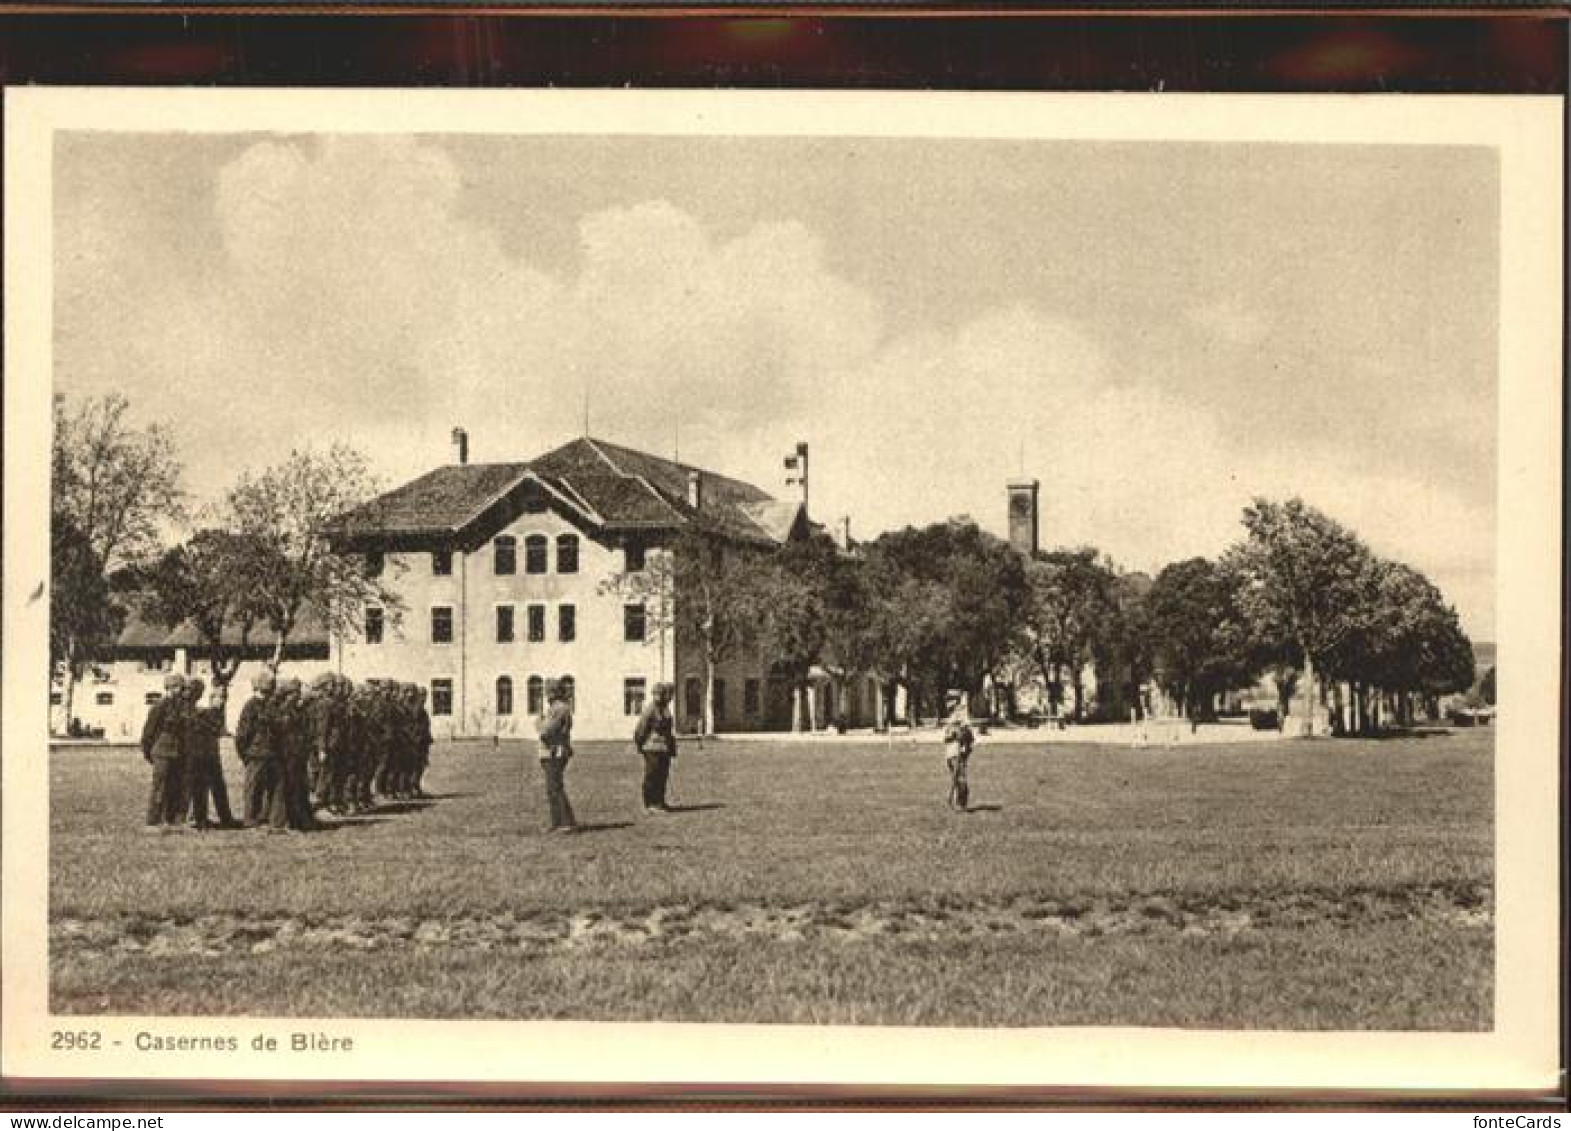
(634, 693)
(693, 698)
(634, 624)
(105, 698)
(504, 556)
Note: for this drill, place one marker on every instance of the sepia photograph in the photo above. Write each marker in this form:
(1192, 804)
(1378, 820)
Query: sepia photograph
(721, 561)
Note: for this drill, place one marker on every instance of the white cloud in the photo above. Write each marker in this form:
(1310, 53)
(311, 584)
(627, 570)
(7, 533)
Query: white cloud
(354, 299)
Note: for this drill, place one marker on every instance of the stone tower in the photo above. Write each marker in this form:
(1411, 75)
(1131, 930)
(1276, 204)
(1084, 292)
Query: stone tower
(1024, 525)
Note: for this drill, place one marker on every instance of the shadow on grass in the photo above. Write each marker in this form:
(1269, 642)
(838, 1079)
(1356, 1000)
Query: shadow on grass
(984, 809)
(402, 807)
(604, 827)
(700, 808)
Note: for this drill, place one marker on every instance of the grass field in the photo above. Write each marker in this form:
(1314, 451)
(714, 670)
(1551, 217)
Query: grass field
(1303, 885)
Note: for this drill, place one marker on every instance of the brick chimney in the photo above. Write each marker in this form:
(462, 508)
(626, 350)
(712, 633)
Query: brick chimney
(460, 445)
(1024, 503)
(695, 490)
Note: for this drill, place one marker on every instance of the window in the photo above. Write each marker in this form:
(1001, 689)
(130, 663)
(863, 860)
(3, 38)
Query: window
(719, 699)
(441, 697)
(442, 562)
(374, 563)
(504, 624)
(441, 624)
(693, 696)
(373, 626)
(750, 697)
(536, 614)
(567, 623)
(570, 689)
(536, 692)
(634, 623)
(504, 556)
(105, 699)
(567, 553)
(56, 698)
(634, 555)
(504, 695)
(535, 549)
(633, 696)
(152, 697)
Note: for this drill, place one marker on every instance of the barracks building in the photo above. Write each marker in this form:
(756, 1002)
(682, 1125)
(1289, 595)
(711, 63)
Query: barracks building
(507, 576)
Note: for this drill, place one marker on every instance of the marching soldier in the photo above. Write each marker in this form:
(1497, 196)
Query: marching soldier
(655, 740)
(165, 747)
(205, 771)
(257, 740)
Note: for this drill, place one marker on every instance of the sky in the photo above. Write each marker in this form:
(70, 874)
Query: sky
(1158, 331)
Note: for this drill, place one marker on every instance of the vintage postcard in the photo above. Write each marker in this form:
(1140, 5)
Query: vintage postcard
(782, 588)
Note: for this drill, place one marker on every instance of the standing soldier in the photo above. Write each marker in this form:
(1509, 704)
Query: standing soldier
(361, 764)
(292, 808)
(655, 739)
(164, 745)
(205, 771)
(422, 743)
(257, 740)
(332, 733)
(556, 747)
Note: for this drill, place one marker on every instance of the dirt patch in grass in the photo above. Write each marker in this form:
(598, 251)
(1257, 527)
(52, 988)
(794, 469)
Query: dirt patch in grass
(1226, 914)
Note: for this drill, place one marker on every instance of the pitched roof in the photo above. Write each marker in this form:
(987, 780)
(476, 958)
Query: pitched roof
(440, 501)
(614, 488)
(141, 633)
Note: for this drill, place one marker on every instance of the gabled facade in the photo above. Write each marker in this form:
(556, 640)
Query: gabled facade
(507, 574)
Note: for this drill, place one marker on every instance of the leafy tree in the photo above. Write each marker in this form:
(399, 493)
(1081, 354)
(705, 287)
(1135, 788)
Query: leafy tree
(1200, 643)
(1071, 614)
(1303, 581)
(1486, 686)
(206, 582)
(114, 488)
(282, 515)
(946, 601)
(708, 590)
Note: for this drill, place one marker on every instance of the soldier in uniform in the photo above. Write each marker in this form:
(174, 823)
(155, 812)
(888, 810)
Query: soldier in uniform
(331, 739)
(165, 745)
(256, 739)
(292, 807)
(422, 729)
(655, 740)
(361, 765)
(205, 771)
(556, 747)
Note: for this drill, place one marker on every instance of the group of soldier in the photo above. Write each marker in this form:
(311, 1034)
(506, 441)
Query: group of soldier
(331, 745)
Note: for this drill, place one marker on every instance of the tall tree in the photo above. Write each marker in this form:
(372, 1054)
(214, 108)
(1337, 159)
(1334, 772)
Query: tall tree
(206, 582)
(797, 586)
(1071, 614)
(707, 590)
(114, 488)
(1199, 641)
(1303, 580)
(948, 598)
(282, 515)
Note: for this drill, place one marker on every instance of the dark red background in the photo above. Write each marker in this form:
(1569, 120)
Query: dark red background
(1506, 53)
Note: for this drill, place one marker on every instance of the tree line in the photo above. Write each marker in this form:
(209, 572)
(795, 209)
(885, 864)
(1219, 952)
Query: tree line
(925, 611)
(1363, 640)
